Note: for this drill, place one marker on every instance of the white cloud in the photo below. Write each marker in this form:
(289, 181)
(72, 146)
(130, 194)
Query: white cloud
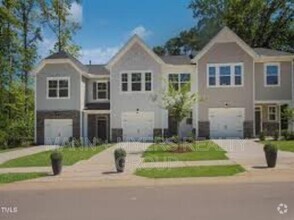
(98, 55)
(141, 31)
(76, 13)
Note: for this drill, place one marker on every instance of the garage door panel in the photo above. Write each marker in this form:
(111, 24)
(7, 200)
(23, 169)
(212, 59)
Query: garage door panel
(57, 131)
(226, 122)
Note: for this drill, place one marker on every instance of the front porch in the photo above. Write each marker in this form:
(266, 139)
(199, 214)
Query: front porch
(269, 117)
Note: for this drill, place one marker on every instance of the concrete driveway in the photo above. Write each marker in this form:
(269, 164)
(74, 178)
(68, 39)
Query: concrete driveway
(251, 156)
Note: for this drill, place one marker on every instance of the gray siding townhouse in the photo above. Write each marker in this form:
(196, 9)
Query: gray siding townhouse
(244, 91)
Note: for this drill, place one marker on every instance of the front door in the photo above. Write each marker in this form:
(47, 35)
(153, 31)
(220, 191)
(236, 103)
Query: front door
(257, 121)
(102, 128)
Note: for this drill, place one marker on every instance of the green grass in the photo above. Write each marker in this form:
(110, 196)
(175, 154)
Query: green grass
(14, 177)
(70, 157)
(197, 171)
(201, 150)
(283, 145)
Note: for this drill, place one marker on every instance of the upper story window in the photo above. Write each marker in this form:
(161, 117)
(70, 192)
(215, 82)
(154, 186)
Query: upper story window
(102, 90)
(272, 75)
(58, 87)
(272, 113)
(136, 81)
(225, 75)
(179, 80)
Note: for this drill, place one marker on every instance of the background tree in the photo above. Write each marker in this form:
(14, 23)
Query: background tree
(160, 51)
(56, 13)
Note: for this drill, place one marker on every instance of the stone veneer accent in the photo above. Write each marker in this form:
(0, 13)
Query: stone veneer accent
(92, 125)
(270, 128)
(42, 115)
(157, 132)
(248, 129)
(204, 129)
(117, 135)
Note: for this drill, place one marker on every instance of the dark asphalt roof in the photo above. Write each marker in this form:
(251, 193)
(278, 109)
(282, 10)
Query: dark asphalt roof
(176, 60)
(97, 69)
(271, 52)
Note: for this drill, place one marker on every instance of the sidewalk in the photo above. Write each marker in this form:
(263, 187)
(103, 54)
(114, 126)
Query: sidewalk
(10, 155)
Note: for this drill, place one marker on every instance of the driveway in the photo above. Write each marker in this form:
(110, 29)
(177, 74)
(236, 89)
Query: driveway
(250, 155)
(102, 166)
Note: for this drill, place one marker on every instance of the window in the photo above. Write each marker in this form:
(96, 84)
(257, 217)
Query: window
(212, 76)
(124, 82)
(272, 75)
(138, 81)
(272, 113)
(102, 90)
(148, 82)
(58, 87)
(179, 81)
(225, 75)
(189, 120)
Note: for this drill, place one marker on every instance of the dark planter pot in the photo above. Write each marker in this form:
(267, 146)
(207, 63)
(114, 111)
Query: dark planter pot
(56, 166)
(120, 164)
(271, 158)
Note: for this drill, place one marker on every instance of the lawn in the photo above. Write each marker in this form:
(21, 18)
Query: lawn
(70, 157)
(197, 171)
(13, 177)
(283, 145)
(201, 150)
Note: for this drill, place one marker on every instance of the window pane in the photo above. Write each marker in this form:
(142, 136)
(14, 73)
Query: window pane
(63, 83)
(136, 86)
(173, 77)
(225, 75)
(102, 95)
(272, 70)
(272, 80)
(238, 75)
(124, 77)
(147, 86)
(147, 77)
(136, 77)
(185, 77)
(124, 87)
(238, 80)
(212, 71)
(238, 71)
(52, 93)
(102, 86)
(63, 93)
(52, 84)
(212, 81)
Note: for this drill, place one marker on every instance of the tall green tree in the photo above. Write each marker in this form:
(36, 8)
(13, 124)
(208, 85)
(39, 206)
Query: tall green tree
(56, 13)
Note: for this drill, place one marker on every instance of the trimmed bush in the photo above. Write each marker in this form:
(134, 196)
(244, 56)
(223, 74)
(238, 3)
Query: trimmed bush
(271, 153)
(276, 135)
(285, 134)
(56, 162)
(119, 157)
(262, 136)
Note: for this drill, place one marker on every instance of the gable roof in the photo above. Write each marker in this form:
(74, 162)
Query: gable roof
(97, 69)
(177, 60)
(271, 52)
(226, 35)
(135, 39)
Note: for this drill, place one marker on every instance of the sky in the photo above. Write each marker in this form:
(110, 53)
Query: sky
(107, 24)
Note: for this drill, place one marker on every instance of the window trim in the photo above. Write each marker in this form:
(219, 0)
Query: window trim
(217, 75)
(268, 113)
(179, 79)
(101, 81)
(58, 79)
(143, 73)
(265, 74)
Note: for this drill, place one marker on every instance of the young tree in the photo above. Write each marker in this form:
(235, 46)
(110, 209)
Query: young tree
(57, 14)
(179, 103)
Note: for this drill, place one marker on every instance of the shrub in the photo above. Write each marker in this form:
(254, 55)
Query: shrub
(270, 148)
(119, 153)
(56, 155)
(262, 136)
(158, 139)
(285, 134)
(175, 139)
(276, 135)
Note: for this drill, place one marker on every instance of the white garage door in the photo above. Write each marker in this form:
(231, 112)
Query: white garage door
(57, 131)
(226, 122)
(138, 126)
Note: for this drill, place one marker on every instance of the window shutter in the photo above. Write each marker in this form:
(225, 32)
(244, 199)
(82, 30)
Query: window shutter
(108, 87)
(94, 90)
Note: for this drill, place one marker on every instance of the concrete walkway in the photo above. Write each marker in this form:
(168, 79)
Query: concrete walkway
(5, 156)
(102, 167)
(251, 156)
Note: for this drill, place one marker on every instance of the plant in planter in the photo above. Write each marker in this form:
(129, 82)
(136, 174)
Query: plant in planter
(120, 158)
(271, 153)
(56, 162)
